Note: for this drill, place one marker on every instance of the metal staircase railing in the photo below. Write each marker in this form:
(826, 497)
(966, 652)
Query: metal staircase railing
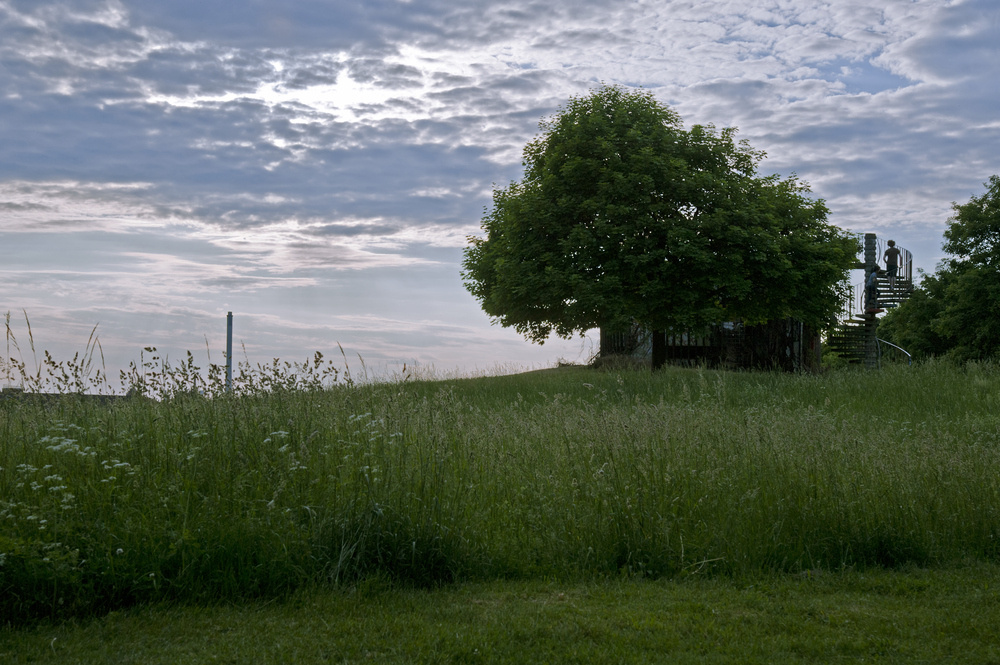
(909, 358)
(850, 339)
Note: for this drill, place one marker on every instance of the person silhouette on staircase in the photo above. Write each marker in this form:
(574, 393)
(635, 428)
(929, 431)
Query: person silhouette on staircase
(891, 258)
(871, 292)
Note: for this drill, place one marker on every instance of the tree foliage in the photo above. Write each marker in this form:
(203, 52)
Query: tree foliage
(956, 312)
(910, 326)
(623, 215)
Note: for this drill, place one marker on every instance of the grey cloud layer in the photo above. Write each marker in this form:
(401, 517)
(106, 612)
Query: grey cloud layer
(217, 140)
(171, 94)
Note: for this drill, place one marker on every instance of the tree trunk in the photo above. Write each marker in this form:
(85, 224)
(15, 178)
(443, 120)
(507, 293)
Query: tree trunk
(659, 349)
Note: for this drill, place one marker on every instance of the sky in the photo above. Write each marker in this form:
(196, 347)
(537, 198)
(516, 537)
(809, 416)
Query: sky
(316, 167)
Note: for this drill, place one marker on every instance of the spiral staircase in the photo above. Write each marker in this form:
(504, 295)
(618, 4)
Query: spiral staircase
(854, 338)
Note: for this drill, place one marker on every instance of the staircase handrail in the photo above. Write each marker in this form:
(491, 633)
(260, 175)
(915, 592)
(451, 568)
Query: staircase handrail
(856, 300)
(881, 341)
(854, 303)
(905, 260)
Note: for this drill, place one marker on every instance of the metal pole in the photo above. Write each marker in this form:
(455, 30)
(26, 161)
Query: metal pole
(229, 352)
(871, 323)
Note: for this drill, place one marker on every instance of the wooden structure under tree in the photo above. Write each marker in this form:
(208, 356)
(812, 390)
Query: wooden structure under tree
(786, 344)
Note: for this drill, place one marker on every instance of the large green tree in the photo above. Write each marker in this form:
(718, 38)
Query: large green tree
(956, 312)
(624, 216)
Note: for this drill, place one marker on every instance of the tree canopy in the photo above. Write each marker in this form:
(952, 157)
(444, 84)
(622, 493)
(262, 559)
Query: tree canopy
(956, 311)
(624, 216)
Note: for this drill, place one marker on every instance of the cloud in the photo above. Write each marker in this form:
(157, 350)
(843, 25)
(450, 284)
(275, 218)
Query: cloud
(956, 44)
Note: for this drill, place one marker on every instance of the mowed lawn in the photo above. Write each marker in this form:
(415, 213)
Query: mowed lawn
(879, 616)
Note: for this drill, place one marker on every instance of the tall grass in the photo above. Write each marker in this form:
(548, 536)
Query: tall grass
(566, 473)
(155, 375)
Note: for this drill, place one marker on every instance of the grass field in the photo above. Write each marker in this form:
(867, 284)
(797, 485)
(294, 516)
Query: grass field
(570, 476)
(945, 615)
